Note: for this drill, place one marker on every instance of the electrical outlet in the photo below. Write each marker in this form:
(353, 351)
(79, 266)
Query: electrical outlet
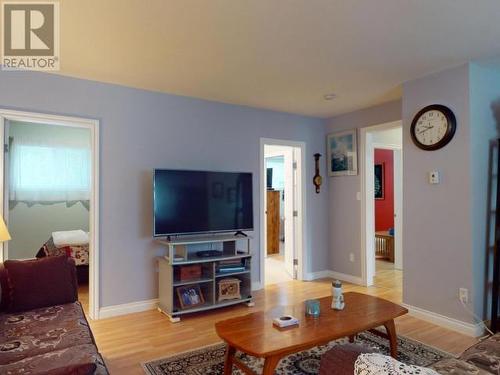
(351, 257)
(463, 295)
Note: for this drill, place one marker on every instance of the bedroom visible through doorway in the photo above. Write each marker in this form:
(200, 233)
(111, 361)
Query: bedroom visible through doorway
(382, 206)
(50, 192)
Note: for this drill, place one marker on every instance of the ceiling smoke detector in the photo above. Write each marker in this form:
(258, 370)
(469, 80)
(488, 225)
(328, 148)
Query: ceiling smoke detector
(329, 96)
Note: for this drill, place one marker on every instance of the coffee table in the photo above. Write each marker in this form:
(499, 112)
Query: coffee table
(254, 334)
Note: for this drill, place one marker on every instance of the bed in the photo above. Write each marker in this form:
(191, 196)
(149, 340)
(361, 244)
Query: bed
(80, 253)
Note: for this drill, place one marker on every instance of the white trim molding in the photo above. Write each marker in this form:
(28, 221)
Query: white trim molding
(128, 308)
(469, 329)
(334, 275)
(304, 252)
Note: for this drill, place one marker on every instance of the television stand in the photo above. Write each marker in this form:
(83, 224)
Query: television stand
(240, 233)
(182, 269)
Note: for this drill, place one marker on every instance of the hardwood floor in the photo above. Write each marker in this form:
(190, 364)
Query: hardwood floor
(130, 340)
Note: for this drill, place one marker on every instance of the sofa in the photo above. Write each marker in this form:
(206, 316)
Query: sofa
(482, 358)
(43, 329)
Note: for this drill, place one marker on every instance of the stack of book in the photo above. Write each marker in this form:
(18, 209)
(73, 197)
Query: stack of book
(230, 265)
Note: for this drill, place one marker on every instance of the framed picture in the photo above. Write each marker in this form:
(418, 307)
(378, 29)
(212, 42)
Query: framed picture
(379, 181)
(190, 296)
(342, 153)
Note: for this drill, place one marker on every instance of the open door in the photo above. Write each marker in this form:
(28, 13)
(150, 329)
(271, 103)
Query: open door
(288, 211)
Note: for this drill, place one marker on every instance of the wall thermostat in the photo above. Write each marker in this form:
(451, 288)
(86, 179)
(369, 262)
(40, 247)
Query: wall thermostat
(434, 177)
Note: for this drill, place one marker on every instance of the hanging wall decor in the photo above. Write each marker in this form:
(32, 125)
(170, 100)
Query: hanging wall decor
(317, 179)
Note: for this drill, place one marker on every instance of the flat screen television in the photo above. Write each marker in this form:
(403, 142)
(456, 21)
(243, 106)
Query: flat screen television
(195, 202)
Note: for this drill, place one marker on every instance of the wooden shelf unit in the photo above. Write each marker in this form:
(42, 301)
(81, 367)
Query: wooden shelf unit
(182, 252)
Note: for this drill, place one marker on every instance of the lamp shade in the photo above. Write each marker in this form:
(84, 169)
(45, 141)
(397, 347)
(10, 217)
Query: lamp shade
(4, 233)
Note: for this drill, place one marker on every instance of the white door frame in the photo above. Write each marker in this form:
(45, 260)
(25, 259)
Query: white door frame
(367, 201)
(93, 126)
(302, 243)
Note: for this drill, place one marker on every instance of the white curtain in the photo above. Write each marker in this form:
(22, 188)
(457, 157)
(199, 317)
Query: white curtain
(48, 170)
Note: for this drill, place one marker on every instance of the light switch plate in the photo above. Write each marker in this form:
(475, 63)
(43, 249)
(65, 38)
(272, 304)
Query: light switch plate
(434, 177)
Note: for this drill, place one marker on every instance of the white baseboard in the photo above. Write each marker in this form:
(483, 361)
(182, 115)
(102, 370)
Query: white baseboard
(127, 308)
(334, 275)
(317, 275)
(344, 277)
(256, 285)
(469, 329)
(135, 307)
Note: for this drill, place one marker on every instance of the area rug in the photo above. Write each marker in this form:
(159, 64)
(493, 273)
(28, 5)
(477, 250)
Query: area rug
(210, 360)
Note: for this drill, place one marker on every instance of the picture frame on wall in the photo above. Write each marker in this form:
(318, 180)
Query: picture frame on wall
(379, 173)
(342, 153)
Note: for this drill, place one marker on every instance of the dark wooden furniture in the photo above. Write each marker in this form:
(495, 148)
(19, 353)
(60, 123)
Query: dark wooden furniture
(273, 222)
(384, 246)
(254, 334)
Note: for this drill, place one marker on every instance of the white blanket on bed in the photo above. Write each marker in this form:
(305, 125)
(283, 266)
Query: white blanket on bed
(70, 238)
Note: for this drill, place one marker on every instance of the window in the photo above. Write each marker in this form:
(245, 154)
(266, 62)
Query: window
(48, 173)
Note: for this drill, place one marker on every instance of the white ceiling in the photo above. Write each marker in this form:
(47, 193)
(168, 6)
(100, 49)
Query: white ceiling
(276, 54)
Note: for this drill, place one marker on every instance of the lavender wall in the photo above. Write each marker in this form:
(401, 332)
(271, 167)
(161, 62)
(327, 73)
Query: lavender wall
(141, 130)
(437, 238)
(344, 208)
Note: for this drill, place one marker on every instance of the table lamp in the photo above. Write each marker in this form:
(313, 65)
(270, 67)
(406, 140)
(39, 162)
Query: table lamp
(4, 233)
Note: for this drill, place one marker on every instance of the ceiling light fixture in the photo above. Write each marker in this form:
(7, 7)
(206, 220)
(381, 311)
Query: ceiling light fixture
(329, 96)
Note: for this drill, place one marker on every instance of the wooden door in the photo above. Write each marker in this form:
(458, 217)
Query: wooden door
(273, 222)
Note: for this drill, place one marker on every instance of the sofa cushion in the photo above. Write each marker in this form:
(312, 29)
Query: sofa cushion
(41, 331)
(485, 354)
(41, 282)
(340, 359)
(77, 360)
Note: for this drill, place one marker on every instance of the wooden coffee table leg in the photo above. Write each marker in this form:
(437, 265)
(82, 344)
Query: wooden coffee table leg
(228, 362)
(270, 365)
(393, 339)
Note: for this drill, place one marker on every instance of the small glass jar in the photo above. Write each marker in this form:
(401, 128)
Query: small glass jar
(313, 308)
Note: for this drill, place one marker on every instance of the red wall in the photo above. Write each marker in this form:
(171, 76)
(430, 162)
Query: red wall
(384, 208)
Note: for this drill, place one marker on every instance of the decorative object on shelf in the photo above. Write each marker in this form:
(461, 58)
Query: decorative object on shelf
(229, 289)
(337, 296)
(190, 296)
(342, 153)
(379, 173)
(317, 179)
(285, 321)
(191, 272)
(313, 308)
(433, 127)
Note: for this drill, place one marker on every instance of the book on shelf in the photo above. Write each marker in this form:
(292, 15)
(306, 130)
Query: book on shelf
(231, 269)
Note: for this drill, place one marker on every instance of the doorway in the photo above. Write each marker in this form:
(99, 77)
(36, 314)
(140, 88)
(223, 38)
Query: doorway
(282, 208)
(50, 190)
(382, 185)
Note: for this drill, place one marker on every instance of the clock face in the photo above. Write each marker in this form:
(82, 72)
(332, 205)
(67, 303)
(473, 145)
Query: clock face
(433, 127)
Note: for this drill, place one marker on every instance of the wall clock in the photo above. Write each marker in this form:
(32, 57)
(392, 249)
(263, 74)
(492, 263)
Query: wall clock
(433, 127)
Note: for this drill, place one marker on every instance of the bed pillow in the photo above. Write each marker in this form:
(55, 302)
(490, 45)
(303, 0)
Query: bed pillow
(70, 238)
(41, 282)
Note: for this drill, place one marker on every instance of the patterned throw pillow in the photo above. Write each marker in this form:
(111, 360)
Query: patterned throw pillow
(378, 364)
